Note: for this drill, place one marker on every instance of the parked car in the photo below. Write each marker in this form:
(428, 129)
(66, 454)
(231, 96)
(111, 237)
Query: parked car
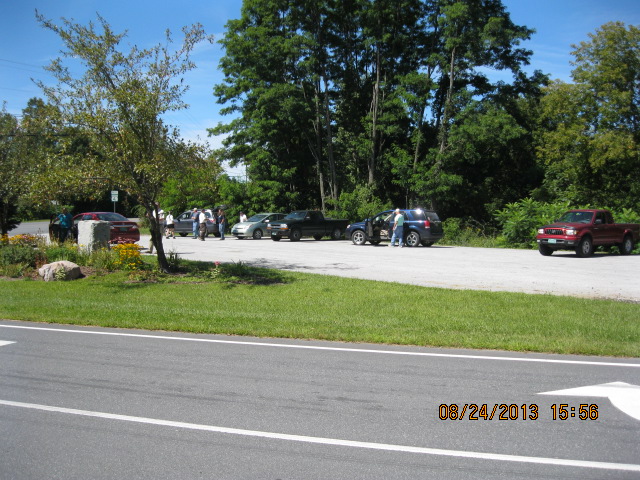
(184, 224)
(420, 227)
(255, 226)
(306, 223)
(122, 230)
(585, 230)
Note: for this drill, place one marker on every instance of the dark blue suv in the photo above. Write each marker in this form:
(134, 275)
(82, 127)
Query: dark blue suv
(420, 227)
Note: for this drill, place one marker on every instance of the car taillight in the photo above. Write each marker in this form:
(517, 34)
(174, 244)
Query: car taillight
(427, 223)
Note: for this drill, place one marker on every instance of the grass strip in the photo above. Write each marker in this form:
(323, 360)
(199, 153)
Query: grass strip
(333, 308)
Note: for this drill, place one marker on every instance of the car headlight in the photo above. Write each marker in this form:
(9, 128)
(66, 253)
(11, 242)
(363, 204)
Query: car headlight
(572, 231)
(283, 226)
(541, 231)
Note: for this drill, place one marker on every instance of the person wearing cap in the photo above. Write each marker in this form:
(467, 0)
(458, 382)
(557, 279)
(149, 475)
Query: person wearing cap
(194, 219)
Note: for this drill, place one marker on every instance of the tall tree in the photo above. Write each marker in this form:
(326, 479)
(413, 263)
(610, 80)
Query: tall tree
(118, 103)
(11, 171)
(278, 133)
(589, 136)
(335, 95)
(474, 34)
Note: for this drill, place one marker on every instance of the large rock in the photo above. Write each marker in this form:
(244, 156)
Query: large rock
(49, 271)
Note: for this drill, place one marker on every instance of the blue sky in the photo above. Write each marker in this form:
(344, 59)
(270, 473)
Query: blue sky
(25, 47)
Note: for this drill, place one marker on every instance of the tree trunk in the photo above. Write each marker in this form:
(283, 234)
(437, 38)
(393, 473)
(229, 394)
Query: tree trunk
(317, 151)
(156, 239)
(444, 126)
(329, 135)
(375, 106)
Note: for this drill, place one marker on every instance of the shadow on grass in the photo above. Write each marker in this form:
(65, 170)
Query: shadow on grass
(228, 273)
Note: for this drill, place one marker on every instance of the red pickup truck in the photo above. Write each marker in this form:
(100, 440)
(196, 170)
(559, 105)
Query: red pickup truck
(583, 230)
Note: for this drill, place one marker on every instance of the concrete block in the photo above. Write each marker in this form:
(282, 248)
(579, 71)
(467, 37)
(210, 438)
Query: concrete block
(93, 235)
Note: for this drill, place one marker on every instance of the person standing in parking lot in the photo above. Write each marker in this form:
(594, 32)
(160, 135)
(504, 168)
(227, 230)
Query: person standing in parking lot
(398, 229)
(202, 222)
(65, 220)
(171, 226)
(194, 219)
(222, 223)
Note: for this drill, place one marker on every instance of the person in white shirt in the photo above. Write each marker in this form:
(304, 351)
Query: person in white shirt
(202, 222)
(243, 217)
(171, 226)
(159, 216)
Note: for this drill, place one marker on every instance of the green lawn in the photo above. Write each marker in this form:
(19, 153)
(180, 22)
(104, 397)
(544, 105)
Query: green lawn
(296, 305)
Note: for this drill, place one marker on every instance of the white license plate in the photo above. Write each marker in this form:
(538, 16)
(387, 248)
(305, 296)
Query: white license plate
(552, 240)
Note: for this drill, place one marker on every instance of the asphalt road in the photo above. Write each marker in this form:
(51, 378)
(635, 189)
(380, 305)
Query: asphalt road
(89, 403)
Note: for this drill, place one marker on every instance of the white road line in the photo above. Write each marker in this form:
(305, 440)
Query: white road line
(334, 349)
(3, 343)
(332, 441)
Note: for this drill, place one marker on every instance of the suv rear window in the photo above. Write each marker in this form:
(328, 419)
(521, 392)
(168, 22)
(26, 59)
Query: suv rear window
(423, 215)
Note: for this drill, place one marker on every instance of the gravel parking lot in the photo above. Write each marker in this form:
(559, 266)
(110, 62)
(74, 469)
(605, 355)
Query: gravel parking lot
(601, 276)
(563, 273)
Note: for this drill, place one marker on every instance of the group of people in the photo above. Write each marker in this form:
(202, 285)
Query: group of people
(199, 219)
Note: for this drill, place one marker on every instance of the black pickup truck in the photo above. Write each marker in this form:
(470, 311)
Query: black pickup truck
(306, 223)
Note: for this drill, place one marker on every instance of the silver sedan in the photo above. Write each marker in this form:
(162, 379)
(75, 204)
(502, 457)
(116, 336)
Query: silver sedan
(255, 226)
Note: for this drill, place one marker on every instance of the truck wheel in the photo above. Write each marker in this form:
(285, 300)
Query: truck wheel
(413, 239)
(336, 234)
(257, 234)
(358, 237)
(626, 247)
(544, 250)
(585, 247)
(295, 235)
(276, 238)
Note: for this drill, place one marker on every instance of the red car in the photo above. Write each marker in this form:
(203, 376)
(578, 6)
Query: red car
(122, 230)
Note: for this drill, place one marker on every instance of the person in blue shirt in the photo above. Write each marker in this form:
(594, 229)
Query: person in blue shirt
(66, 221)
(222, 223)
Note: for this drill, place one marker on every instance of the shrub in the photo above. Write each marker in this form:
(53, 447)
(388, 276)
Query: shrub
(468, 232)
(69, 252)
(18, 254)
(356, 205)
(103, 259)
(15, 270)
(128, 256)
(520, 220)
